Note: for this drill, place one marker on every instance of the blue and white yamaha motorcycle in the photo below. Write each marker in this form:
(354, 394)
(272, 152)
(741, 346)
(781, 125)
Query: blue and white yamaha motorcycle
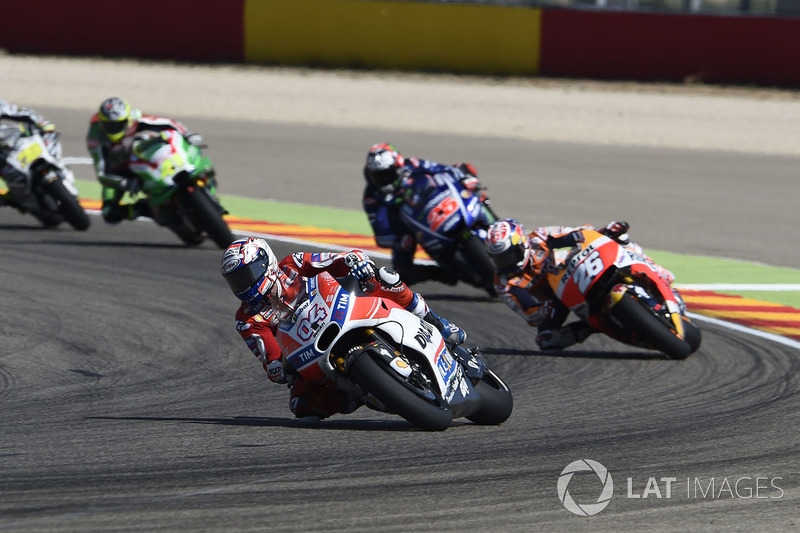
(450, 224)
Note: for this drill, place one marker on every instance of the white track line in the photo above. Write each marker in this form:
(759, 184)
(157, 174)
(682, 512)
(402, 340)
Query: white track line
(744, 329)
(76, 160)
(739, 286)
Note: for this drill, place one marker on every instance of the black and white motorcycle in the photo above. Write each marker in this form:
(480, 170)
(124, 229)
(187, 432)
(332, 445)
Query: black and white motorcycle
(38, 181)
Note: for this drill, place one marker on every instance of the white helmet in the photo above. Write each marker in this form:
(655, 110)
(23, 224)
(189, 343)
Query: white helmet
(250, 268)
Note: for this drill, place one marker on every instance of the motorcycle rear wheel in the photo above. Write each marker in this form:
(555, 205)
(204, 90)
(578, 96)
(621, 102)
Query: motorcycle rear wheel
(68, 206)
(496, 401)
(474, 251)
(655, 333)
(397, 397)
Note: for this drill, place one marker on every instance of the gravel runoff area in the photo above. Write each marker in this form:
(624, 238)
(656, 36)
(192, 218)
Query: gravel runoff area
(752, 120)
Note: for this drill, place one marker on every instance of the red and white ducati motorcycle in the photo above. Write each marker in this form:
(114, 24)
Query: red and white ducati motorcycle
(395, 362)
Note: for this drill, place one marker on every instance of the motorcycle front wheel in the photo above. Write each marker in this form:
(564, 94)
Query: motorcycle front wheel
(398, 397)
(68, 206)
(207, 217)
(496, 400)
(652, 330)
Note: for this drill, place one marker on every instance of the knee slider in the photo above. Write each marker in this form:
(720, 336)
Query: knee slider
(389, 277)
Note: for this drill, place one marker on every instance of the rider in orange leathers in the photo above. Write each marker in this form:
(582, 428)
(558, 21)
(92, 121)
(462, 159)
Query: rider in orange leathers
(521, 283)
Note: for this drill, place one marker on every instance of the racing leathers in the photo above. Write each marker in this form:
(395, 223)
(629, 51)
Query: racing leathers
(383, 212)
(258, 323)
(531, 297)
(111, 163)
(13, 178)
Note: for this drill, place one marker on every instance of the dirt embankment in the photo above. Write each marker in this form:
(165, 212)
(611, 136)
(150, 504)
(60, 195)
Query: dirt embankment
(655, 115)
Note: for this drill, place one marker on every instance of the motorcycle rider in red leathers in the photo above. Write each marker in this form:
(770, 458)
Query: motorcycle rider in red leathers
(268, 289)
(522, 285)
(109, 139)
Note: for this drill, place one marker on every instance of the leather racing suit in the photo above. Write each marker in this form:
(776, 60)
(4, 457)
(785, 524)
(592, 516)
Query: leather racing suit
(111, 163)
(531, 297)
(258, 323)
(383, 212)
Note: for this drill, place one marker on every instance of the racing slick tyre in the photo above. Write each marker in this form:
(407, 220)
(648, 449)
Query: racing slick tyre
(691, 334)
(477, 257)
(398, 396)
(68, 206)
(207, 217)
(650, 329)
(496, 400)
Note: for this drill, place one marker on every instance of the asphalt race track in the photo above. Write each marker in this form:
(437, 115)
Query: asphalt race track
(130, 403)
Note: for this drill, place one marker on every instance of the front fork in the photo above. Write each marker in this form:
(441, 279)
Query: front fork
(673, 308)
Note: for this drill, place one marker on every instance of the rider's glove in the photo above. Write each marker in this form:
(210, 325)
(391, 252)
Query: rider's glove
(617, 230)
(276, 373)
(195, 139)
(46, 126)
(471, 182)
(468, 170)
(363, 270)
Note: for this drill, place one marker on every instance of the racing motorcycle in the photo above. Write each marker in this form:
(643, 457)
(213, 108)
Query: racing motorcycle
(618, 293)
(38, 181)
(179, 184)
(450, 224)
(393, 361)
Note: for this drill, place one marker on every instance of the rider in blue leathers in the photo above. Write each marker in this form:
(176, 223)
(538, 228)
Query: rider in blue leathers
(389, 177)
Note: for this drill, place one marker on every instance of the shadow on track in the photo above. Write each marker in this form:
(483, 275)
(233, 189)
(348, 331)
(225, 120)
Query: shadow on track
(447, 297)
(646, 356)
(109, 244)
(268, 421)
(23, 227)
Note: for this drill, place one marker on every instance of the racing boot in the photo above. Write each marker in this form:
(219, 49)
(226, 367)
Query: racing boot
(558, 339)
(452, 334)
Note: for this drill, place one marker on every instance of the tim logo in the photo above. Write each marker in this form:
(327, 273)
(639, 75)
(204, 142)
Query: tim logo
(340, 311)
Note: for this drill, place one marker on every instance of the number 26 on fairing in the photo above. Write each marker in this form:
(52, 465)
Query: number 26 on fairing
(587, 270)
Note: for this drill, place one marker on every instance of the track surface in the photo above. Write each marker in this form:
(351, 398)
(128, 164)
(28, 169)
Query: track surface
(129, 402)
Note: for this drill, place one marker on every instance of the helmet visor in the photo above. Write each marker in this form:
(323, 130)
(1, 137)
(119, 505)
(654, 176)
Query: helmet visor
(382, 178)
(510, 260)
(243, 281)
(113, 128)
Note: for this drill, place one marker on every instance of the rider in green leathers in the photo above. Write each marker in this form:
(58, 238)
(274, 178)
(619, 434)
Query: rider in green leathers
(111, 133)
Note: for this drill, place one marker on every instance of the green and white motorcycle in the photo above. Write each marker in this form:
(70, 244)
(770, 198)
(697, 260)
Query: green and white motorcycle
(178, 181)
